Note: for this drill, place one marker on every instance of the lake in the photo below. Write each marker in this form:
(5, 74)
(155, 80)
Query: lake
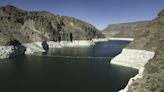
(68, 69)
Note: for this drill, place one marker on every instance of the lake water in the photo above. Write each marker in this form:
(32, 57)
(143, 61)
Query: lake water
(69, 69)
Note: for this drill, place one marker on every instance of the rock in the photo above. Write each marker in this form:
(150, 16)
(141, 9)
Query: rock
(133, 58)
(152, 39)
(153, 75)
(38, 26)
(148, 39)
(33, 47)
(37, 31)
(11, 51)
(45, 45)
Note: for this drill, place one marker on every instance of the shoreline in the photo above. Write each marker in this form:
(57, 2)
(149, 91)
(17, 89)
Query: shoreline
(135, 59)
(121, 39)
(30, 48)
(41, 46)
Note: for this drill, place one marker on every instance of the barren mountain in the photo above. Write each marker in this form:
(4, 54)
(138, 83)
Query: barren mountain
(152, 39)
(127, 30)
(20, 26)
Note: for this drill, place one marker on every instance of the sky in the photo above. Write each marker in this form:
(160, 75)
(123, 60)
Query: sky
(100, 13)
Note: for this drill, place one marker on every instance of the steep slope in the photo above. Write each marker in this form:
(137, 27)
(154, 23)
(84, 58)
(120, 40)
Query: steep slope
(126, 30)
(24, 26)
(153, 34)
(153, 40)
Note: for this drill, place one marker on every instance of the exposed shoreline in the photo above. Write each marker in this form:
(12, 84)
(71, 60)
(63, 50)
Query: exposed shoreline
(30, 48)
(135, 59)
(11, 51)
(122, 39)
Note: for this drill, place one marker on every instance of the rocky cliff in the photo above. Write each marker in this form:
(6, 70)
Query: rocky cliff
(152, 39)
(125, 30)
(152, 35)
(20, 26)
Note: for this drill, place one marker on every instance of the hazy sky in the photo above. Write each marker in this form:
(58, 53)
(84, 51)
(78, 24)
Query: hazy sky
(97, 12)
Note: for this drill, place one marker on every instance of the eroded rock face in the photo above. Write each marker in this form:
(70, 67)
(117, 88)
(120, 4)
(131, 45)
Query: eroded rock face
(153, 40)
(149, 37)
(152, 36)
(35, 26)
(133, 58)
(153, 79)
(11, 51)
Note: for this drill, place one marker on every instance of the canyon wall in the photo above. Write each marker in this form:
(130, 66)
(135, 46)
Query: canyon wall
(145, 53)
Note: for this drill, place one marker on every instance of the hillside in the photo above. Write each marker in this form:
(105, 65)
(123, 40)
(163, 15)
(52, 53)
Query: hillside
(152, 35)
(126, 30)
(20, 26)
(152, 39)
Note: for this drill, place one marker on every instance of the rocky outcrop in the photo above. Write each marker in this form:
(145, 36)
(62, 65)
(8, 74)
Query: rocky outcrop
(38, 26)
(11, 51)
(153, 75)
(125, 30)
(149, 79)
(33, 47)
(152, 35)
(37, 31)
(133, 58)
(152, 79)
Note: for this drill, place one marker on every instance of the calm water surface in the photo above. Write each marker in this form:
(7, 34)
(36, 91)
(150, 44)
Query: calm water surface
(74, 69)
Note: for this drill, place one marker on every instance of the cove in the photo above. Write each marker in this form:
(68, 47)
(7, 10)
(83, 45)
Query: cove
(68, 69)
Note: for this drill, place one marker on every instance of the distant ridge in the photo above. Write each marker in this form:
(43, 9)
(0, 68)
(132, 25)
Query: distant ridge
(123, 29)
